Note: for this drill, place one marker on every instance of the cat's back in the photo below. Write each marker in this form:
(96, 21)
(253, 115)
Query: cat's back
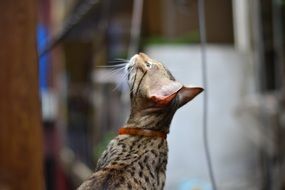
(130, 163)
(105, 179)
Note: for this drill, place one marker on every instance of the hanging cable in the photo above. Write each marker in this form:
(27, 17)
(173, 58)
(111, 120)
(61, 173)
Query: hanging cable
(203, 41)
(135, 27)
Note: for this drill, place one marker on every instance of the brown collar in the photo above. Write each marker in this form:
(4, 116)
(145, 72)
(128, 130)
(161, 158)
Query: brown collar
(142, 132)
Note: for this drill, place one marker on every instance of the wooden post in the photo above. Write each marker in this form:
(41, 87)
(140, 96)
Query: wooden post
(21, 150)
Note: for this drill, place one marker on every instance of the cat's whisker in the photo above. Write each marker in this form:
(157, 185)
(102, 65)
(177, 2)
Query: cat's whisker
(119, 86)
(115, 70)
(120, 74)
(118, 70)
(117, 62)
(112, 66)
(118, 59)
(121, 82)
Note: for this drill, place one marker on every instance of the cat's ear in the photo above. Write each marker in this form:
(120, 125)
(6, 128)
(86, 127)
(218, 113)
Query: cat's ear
(162, 94)
(186, 94)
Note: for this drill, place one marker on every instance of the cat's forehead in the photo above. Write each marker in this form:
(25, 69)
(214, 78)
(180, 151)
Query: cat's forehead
(160, 65)
(146, 58)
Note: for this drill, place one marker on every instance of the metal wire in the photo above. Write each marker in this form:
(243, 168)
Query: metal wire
(203, 41)
(135, 27)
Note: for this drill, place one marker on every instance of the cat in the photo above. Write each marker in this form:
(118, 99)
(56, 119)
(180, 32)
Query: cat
(137, 157)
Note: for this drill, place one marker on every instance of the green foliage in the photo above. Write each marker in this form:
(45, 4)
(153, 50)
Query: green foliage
(101, 146)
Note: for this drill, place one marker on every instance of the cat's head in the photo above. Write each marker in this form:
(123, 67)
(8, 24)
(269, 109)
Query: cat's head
(153, 86)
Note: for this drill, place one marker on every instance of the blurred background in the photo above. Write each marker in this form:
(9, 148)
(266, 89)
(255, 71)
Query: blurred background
(82, 108)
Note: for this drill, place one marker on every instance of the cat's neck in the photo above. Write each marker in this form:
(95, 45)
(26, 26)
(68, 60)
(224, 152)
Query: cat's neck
(149, 119)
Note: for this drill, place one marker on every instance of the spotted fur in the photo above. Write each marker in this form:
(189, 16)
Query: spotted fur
(138, 162)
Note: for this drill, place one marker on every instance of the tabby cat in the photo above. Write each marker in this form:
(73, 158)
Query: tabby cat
(137, 157)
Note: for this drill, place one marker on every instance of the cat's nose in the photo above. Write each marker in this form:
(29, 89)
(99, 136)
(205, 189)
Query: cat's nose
(133, 59)
(136, 56)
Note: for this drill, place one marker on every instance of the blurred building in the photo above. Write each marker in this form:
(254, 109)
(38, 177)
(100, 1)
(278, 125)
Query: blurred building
(82, 111)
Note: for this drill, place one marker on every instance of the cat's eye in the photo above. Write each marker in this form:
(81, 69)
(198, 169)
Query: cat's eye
(148, 64)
